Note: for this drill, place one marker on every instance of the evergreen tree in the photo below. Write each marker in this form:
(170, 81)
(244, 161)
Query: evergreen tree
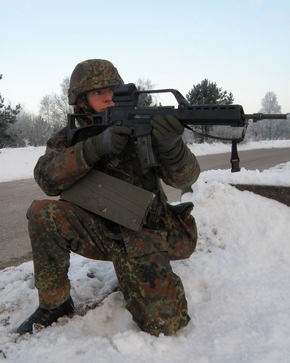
(7, 117)
(206, 93)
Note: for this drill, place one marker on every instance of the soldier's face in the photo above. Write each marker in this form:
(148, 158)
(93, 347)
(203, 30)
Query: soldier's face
(100, 99)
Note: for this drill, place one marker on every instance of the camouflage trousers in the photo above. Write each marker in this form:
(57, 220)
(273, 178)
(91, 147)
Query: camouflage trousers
(154, 294)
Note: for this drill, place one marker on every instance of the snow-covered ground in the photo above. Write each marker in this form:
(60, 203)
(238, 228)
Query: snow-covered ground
(237, 283)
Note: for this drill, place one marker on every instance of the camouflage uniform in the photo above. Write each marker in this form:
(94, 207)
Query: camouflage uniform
(154, 294)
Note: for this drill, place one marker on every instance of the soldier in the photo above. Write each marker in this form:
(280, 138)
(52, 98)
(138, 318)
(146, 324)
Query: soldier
(154, 294)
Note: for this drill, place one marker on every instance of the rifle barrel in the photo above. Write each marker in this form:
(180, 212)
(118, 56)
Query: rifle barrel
(263, 116)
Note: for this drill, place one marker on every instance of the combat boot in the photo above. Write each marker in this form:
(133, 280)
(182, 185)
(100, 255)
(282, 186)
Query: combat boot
(45, 317)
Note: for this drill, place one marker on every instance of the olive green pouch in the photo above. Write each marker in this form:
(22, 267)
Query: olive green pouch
(111, 198)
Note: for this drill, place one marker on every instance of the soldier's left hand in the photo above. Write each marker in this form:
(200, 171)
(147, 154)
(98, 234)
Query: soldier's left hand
(167, 130)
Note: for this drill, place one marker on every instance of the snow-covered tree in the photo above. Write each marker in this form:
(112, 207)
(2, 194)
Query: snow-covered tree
(269, 129)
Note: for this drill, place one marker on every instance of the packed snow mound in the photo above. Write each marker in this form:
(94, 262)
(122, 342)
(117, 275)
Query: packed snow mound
(237, 289)
(236, 282)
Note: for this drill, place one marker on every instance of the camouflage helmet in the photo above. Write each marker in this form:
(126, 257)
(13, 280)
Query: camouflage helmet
(92, 74)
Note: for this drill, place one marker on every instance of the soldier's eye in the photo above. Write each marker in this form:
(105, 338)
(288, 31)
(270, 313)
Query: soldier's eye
(96, 93)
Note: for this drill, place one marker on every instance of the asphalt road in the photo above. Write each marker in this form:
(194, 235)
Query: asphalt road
(16, 196)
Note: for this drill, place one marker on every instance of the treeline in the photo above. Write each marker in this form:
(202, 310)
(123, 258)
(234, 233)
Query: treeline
(19, 128)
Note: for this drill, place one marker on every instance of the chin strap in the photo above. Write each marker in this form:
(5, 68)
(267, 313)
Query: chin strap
(88, 110)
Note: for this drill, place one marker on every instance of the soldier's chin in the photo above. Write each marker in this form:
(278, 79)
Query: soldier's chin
(103, 109)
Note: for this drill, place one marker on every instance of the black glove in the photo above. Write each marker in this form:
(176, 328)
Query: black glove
(167, 130)
(111, 141)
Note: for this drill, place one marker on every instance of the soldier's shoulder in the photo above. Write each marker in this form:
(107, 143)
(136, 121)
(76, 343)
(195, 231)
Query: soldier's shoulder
(59, 138)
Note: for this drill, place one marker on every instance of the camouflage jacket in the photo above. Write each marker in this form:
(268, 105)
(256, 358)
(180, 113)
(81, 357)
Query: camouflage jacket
(62, 165)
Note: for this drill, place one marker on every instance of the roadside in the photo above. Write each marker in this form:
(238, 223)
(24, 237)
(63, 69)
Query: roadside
(16, 197)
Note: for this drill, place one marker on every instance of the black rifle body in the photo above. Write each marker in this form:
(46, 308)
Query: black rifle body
(126, 112)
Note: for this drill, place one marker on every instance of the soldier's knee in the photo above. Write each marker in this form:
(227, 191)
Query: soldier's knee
(161, 316)
(42, 211)
(167, 325)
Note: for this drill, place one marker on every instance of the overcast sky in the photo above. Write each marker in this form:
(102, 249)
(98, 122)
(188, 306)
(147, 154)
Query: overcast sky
(242, 45)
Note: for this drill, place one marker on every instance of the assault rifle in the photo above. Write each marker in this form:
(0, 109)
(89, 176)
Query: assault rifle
(127, 113)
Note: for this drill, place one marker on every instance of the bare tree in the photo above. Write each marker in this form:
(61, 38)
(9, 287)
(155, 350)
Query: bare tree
(30, 130)
(54, 108)
(146, 99)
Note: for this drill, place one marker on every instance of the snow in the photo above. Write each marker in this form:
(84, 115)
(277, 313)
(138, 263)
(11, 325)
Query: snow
(237, 283)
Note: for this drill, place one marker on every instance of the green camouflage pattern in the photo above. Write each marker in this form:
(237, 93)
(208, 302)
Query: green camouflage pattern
(154, 294)
(61, 166)
(92, 74)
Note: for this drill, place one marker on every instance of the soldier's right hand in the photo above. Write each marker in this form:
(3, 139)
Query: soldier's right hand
(111, 141)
